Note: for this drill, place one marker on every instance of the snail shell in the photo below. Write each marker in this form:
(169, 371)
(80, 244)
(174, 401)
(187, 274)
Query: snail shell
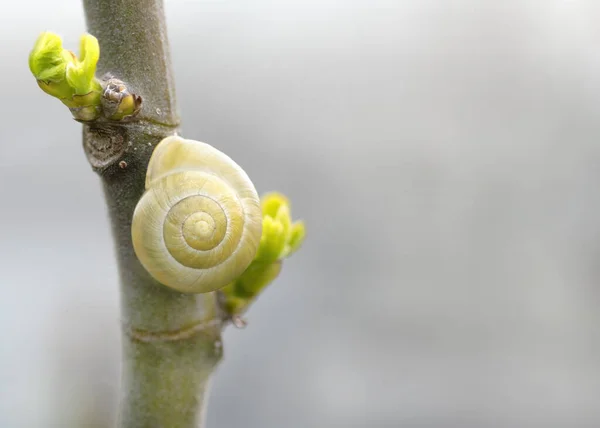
(198, 225)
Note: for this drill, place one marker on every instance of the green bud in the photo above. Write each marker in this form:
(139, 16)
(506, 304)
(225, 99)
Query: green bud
(72, 80)
(280, 238)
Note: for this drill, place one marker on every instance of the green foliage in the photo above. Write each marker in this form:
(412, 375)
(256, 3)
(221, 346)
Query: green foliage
(280, 239)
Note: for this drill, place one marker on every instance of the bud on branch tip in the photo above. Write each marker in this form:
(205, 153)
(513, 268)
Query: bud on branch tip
(71, 79)
(280, 239)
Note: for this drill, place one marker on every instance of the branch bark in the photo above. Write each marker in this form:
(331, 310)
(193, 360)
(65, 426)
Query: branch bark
(171, 341)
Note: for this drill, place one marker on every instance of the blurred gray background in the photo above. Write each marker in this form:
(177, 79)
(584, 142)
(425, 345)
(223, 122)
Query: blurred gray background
(445, 155)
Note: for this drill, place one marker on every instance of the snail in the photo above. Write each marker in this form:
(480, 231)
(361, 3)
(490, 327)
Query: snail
(198, 225)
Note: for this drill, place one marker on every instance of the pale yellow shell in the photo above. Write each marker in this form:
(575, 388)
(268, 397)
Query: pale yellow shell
(198, 225)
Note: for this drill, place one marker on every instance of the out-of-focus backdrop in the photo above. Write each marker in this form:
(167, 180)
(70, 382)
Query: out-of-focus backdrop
(445, 155)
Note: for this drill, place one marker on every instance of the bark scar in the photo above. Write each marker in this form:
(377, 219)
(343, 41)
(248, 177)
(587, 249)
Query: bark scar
(103, 144)
(146, 336)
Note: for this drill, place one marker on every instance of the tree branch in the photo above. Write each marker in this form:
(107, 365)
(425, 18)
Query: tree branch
(135, 48)
(172, 341)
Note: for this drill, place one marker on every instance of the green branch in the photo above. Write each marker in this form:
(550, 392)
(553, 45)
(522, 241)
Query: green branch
(171, 341)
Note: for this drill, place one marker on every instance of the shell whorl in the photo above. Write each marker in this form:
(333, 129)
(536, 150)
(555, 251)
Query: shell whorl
(198, 225)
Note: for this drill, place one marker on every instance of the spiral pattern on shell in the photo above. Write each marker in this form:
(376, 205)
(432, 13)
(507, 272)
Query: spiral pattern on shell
(198, 225)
